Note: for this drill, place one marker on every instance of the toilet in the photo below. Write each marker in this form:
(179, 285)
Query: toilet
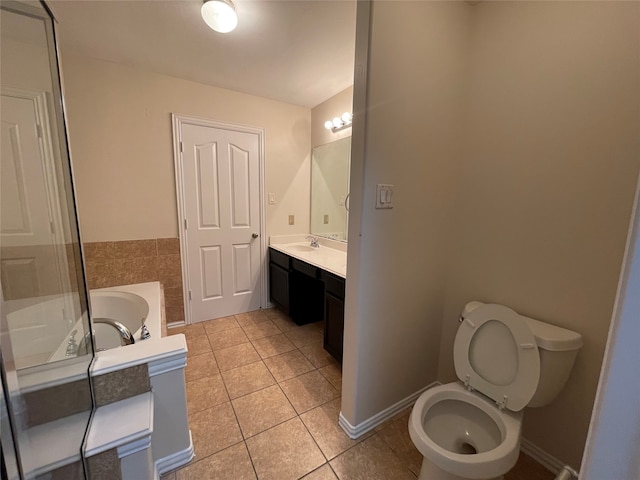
(471, 429)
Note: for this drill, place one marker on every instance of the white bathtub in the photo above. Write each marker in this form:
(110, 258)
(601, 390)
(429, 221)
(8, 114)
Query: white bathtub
(129, 309)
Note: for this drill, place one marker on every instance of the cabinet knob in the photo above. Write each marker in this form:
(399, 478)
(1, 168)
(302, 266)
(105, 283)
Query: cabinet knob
(254, 235)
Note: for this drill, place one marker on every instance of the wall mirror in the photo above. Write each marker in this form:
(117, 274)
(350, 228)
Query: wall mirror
(330, 164)
(45, 350)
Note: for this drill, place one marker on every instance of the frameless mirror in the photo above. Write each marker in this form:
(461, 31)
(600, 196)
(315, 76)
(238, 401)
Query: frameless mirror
(45, 349)
(330, 165)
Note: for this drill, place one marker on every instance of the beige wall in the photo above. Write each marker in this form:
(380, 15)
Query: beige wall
(510, 131)
(122, 151)
(547, 183)
(327, 110)
(396, 262)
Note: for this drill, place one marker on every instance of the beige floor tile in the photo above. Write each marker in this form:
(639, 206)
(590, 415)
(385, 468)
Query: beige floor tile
(528, 469)
(214, 429)
(220, 324)
(261, 410)
(308, 391)
(232, 463)
(205, 392)
(371, 459)
(285, 452)
(322, 473)
(270, 346)
(284, 323)
(403, 414)
(322, 423)
(317, 355)
(199, 366)
(261, 330)
(168, 476)
(305, 335)
(396, 435)
(198, 344)
(236, 356)
(227, 338)
(193, 330)
(288, 365)
(247, 379)
(333, 373)
(251, 318)
(274, 312)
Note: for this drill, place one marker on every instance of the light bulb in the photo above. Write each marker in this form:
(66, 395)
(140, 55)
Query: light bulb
(337, 123)
(219, 15)
(328, 124)
(347, 117)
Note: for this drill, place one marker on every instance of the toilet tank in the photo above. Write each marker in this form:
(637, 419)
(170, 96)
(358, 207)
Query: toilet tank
(557, 348)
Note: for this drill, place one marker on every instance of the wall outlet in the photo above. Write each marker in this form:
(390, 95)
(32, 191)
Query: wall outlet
(326, 219)
(292, 219)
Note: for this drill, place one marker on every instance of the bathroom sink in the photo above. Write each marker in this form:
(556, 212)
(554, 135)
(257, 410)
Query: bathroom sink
(301, 248)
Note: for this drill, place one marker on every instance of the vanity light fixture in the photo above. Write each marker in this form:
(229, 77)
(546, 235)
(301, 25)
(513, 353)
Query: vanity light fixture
(219, 15)
(339, 123)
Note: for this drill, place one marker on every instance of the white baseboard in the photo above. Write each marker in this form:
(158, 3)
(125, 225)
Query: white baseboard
(381, 417)
(543, 458)
(175, 460)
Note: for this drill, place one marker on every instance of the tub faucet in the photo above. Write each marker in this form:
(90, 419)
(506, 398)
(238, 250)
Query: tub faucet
(126, 337)
(314, 241)
(72, 346)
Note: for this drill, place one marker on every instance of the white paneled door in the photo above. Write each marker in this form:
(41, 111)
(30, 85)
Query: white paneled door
(222, 219)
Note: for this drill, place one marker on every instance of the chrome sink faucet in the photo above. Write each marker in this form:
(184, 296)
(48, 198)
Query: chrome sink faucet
(314, 241)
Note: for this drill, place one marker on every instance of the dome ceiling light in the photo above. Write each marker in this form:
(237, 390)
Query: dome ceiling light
(219, 15)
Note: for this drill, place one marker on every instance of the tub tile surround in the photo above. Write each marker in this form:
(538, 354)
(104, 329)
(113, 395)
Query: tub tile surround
(279, 417)
(121, 384)
(109, 264)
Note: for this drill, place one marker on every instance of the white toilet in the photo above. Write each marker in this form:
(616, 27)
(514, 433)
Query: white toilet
(471, 429)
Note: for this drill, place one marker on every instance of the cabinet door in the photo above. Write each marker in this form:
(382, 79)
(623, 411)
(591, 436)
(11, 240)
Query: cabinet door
(333, 325)
(279, 286)
(307, 297)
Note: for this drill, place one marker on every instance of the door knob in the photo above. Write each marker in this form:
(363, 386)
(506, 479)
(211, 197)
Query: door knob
(254, 235)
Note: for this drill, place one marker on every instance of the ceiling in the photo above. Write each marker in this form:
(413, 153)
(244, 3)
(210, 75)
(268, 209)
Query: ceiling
(294, 51)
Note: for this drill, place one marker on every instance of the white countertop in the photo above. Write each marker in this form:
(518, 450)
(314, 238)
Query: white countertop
(331, 255)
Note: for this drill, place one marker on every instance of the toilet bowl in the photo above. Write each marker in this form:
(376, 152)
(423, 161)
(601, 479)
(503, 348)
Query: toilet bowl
(471, 429)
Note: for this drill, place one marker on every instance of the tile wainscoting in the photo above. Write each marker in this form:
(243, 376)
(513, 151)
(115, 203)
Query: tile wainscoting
(109, 264)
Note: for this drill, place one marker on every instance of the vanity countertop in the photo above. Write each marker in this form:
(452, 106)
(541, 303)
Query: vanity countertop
(331, 255)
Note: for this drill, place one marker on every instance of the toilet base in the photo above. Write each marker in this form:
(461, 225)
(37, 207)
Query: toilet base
(430, 471)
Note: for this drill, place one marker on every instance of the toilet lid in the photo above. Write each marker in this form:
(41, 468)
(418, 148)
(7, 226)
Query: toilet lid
(496, 354)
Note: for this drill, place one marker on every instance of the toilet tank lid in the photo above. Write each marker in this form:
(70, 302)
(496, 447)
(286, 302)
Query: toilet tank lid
(548, 337)
(553, 338)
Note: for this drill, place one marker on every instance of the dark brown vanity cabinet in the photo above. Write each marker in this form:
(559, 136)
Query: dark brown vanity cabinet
(279, 273)
(309, 294)
(334, 288)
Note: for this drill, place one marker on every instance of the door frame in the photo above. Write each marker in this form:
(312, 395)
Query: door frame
(177, 121)
(59, 234)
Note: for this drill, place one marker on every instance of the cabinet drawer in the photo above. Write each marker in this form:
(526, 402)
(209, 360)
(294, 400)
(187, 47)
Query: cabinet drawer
(333, 285)
(279, 258)
(305, 268)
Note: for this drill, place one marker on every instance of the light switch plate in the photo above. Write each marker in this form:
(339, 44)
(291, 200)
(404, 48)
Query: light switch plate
(272, 199)
(292, 220)
(384, 195)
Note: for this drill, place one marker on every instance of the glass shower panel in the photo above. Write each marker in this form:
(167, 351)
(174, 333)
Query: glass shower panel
(44, 328)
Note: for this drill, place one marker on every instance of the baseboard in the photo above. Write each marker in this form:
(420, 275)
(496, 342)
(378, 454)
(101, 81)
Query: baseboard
(543, 458)
(381, 417)
(175, 460)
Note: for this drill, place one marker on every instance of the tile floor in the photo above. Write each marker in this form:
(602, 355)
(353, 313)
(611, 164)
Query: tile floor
(263, 400)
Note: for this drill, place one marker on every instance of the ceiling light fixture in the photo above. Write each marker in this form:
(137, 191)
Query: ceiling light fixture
(339, 123)
(219, 15)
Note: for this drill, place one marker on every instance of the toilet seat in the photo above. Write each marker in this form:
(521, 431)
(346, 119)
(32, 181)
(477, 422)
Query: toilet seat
(496, 354)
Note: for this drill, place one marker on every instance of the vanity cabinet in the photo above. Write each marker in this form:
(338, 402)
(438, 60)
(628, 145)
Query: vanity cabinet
(334, 288)
(279, 273)
(309, 294)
